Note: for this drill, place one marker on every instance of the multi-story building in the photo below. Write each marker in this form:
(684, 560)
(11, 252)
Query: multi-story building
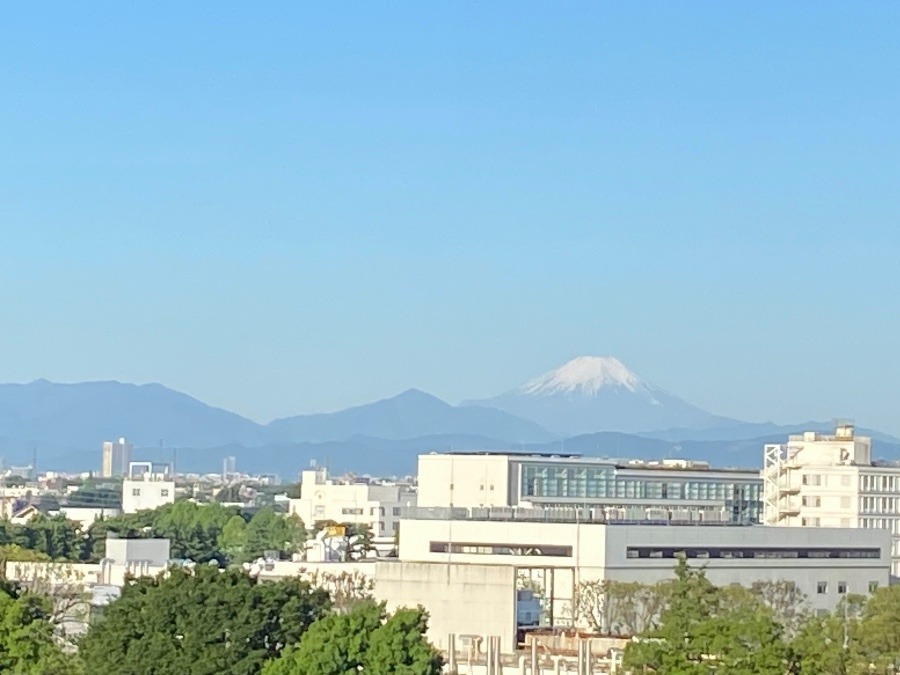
(147, 486)
(666, 490)
(480, 556)
(376, 504)
(819, 480)
(115, 456)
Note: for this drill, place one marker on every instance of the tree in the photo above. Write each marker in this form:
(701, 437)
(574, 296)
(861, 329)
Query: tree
(786, 601)
(233, 539)
(362, 640)
(879, 637)
(618, 607)
(27, 644)
(201, 621)
(705, 629)
(357, 541)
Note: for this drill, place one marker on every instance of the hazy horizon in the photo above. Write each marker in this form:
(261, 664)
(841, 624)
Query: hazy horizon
(291, 209)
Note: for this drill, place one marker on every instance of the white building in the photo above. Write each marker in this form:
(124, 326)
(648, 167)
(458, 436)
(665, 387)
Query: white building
(465, 565)
(86, 515)
(818, 480)
(146, 487)
(666, 490)
(115, 456)
(377, 504)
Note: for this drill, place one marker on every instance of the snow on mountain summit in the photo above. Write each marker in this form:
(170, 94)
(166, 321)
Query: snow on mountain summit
(585, 375)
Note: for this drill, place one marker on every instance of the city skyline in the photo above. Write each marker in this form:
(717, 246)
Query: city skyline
(292, 211)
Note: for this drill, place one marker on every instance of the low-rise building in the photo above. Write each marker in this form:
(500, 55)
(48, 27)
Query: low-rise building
(377, 504)
(479, 558)
(147, 486)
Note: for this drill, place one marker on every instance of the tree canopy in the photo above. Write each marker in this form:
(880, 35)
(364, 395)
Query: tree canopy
(364, 639)
(201, 621)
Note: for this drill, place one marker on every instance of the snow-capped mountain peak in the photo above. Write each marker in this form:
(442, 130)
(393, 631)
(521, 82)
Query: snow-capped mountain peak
(585, 375)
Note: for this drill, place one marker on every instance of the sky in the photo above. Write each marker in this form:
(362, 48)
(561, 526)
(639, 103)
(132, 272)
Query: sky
(282, 208)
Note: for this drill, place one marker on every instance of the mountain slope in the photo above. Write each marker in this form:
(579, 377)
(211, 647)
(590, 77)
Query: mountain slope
(62, 416)
(408, 415)
(592, 393)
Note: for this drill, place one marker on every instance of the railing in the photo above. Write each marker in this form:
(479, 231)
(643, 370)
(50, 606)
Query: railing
(573, 515)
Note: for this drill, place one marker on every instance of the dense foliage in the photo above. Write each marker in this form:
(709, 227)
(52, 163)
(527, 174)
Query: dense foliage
(364, 639)
(764, 630)
(27, 643)
(205, 532)
(201, 621)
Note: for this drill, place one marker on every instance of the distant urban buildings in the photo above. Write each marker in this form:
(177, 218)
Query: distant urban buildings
(115, 456)
(820, 480)
(376, 504)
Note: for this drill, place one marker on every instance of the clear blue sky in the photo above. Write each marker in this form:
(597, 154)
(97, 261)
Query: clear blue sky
(281, 208)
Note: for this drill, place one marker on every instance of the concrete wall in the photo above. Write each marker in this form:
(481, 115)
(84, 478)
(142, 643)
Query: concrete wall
(460, 599)
(466, 480)
(123, 551)
(806, 573)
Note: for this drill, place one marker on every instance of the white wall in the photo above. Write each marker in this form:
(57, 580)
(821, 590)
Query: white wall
(466, 480)
(461, 599)
(140, 494)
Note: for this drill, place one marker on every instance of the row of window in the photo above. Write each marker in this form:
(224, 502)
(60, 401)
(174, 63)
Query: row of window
(136, 492)
(879, 483)
(749, 552)
(356, 511)
(501, 549)
(879, 505)
(602, 482)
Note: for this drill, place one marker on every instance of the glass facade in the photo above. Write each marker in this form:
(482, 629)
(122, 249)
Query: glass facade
(602, 485)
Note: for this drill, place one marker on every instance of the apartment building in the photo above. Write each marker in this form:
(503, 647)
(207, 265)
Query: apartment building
(830, 480)
(377, 504)
(665, 490)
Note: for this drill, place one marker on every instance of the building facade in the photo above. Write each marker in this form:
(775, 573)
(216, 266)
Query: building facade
(822, 480)
(376, 504)
(115, 456)
(147, 486)
(567, 547)
(665, 490)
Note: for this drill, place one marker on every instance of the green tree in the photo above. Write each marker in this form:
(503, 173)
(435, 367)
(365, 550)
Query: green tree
(233, 539)
(706, 629)
(362, 640)
(27, 644)
(202, 621)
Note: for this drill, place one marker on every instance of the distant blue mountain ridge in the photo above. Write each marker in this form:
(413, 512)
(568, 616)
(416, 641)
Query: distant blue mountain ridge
(66, 423)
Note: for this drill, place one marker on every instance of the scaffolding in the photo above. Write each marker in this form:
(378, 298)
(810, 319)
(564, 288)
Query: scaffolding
(781, 483)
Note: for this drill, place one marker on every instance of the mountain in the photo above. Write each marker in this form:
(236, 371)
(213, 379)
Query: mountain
(68, 422)
(408, 415)
(594, 393)
(81, 416)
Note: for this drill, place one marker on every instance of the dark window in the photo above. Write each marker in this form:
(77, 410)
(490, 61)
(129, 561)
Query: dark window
(501, 549)
(822, 587)
(842, 587)
(752, 552)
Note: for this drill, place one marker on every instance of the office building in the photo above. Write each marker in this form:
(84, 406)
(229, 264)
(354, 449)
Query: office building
(666, 490)
(147, 486)
(377, 504)
(115, 456)
(830, 480)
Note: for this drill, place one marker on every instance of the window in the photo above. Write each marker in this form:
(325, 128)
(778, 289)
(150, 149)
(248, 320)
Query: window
(135, 492)
(501, 549)
(751, 552)
(822, 587)
(812, 479)
(814, 502)
(873, 586)
(396, 510)
(164, 492)
(845, 481)
(845, 502)
(842, 587)
(351, 512)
